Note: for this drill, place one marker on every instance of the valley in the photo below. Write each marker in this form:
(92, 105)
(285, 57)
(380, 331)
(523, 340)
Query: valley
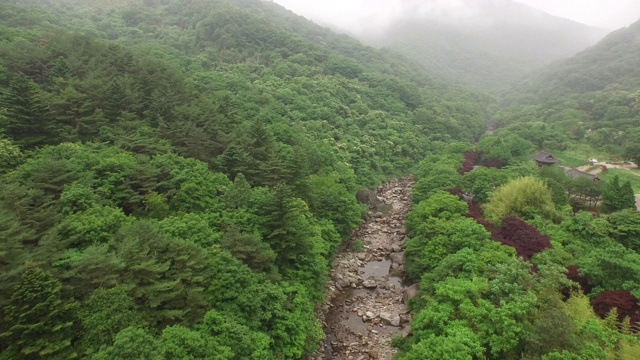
(227, 180)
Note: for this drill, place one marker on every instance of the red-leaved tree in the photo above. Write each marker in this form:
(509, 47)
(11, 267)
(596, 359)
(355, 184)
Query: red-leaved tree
(624, 301)
(470, 160)
(523, 237)
(573, 274)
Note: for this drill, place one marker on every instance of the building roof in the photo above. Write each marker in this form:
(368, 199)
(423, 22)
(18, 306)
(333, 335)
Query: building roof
(575, 173)
(546, 158)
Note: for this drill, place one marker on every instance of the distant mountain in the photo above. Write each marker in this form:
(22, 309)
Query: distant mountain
(489, 44)
(612, 61)
(593, 96)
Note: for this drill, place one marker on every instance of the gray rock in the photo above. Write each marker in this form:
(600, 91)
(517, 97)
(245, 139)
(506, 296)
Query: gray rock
(370, 284)
(370, 315)
(391, 319)
(397, 258)
(352, 279)
(410, 293)
(406, 331)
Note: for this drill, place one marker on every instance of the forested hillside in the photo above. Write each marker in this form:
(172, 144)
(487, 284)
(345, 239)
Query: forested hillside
(519, 261)
(524, 270)
(176, 174)
(176, 177)
(592, 99)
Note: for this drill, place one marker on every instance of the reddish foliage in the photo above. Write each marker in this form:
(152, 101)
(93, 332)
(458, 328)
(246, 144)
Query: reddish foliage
(495, 164)
(523, 237)
(475, 211)
(470, 160)
(457, 192)
(624, 301)
(514, 232)
(573, 274)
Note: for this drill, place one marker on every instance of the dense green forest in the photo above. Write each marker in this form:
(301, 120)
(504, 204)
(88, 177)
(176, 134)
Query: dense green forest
(537, 263)
(525, 270)
(176, 174)
(591, 99)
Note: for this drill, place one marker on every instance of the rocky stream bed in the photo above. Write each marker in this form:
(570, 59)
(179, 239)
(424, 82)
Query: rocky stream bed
(366, 297)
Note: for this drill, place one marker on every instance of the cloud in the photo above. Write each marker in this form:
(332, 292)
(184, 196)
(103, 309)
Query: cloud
(359, 16)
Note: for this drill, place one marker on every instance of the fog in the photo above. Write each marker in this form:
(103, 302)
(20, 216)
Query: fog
(358, 16)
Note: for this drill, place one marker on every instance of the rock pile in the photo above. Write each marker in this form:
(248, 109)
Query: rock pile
(366, 301)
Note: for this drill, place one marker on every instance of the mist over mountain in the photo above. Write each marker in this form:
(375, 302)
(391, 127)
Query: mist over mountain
(488, 44)
(612, 61)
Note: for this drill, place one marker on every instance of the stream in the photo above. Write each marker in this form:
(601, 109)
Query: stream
(365, 306)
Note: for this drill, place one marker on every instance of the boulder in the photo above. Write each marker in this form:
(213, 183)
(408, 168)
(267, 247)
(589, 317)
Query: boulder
(370, 315)
(391, 319)
(368, 197)
(370, 284)
(410, 293)
(397, 258)
(406, 331)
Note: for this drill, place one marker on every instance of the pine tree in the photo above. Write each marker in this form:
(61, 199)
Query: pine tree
(616, 197)
(115, 104)
(60, 69)
(39, 322)
(236, 160)
(627, 196)
(29, 123)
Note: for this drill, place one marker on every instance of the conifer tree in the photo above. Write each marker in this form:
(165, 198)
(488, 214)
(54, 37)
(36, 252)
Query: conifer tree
(28, 120)
(616, 197)
(39, 322)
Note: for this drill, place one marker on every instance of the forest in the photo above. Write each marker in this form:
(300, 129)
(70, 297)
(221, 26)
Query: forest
(176, 177)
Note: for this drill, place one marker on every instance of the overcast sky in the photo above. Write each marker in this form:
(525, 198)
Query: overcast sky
(609, 14)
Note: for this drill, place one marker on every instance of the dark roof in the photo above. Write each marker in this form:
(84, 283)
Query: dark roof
(575, 173)
(545, 157)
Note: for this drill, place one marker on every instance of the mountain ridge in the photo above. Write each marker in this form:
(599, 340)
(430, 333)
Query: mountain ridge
(485, 47)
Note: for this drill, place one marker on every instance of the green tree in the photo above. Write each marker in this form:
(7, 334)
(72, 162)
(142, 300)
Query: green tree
(441, 179)
(632, 152)
(245, 343)
(132, 343)
(10, 156)
(30, 124)
(250, 249)
(167, 276)
(625, 228)
(328, 199)
(182, 343)
(104, 314)
(522, 197)
(616, 197)
(440, 205)
(612, 268)
(426, 249)
(39, 323)
(506, 149)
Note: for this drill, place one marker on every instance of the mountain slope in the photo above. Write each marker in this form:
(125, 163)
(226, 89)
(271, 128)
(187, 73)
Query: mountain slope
(592, 97)
(176, 175)
(611, 61)
(489, 44)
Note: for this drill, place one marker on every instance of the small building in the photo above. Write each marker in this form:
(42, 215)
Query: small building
(545, 159)
(575, 173)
